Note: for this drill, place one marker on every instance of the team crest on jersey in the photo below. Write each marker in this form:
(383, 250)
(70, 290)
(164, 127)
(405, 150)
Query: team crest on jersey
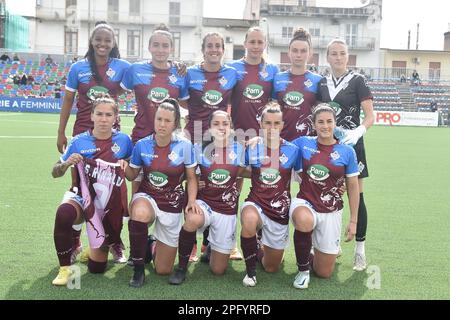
(173, 156)
(308, 83)
(232, 155)
(361, 167)
(110, 73)
(219, 176)
(335, 155)
(158, 94)
(264, 74)
(212, 97)
(293, 98)
(115, 148)
(283, 159)
(270, 176)
(223, 81)
(173, 78)
(95, 91)
(318, 172)
(253, 91)
(158, 179)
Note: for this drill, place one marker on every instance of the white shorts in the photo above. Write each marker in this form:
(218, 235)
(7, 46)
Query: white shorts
(274, 234)
(222, 229)
(167, 225)
(326, 236)
(70, 195)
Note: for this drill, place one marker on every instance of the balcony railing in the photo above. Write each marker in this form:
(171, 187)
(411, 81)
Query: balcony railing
(317, 11)
(358, 43)
(114, 17)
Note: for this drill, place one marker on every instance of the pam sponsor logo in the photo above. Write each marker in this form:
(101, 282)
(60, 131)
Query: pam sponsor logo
(318, 172)
(158, 95)
(270, 176)
(253, 91)
(158, 179)
(219, 176)
(94, 91)
(293, 98)
(212, 97)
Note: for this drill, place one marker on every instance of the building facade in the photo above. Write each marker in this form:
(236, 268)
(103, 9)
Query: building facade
(359, 27)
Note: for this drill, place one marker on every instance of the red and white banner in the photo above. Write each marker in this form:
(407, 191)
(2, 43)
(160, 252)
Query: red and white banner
(392, 118)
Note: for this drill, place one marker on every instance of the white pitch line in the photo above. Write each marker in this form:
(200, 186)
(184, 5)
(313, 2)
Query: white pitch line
(27, 137)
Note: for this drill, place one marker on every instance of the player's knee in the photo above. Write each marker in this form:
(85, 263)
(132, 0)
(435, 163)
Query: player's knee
(140, 214)
(270, 268)
(193, 222)
(163, 270)
(218, 270)
(96, 267)
(303, 221)
(66, 215)
(324, 273)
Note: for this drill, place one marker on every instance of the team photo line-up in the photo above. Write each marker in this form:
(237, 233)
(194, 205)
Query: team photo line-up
(245, 119)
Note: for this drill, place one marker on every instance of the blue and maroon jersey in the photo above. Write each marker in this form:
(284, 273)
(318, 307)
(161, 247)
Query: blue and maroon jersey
(151, 86)
(271, 178)
(208, 92)
(296, 95)
(251, 93)
(164, 170)
(119, 146)
(219, 169)
(101, 183)
(80, 79)
(324, 169)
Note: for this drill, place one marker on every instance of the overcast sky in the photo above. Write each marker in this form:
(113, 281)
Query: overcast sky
(399, 16)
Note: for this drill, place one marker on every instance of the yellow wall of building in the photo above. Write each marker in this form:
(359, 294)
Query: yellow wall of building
(425, 57)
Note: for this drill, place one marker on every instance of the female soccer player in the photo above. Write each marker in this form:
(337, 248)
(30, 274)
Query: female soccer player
(210, 86)
(325, 166)
(252, 91)
(254, 87)
(296, 88)
(166, 159)
(267, 205)
(100, 72)
(348, 93)
(100, 196)
(221, 161)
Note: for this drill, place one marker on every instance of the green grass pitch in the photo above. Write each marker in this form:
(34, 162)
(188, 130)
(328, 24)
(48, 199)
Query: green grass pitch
(408, 247)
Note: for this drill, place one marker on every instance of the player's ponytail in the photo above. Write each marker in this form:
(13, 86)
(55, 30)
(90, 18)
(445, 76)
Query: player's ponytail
(301, 35)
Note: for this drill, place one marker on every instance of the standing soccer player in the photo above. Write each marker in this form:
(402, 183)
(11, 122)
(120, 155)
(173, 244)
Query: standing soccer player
(296, 88)
(101, 71)
(99, 197)
(347, 92)
(267, 206)
(325, 166)
(167, 159)
(210, 86)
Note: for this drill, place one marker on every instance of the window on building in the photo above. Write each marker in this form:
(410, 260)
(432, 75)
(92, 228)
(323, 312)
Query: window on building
(70, 3)
(113, 10)
(176, 44)
(71, 41)
(116, 35)
(174, 13)
(135, 7)
(303, 3)
(314, 30)
(351, 34)
(133, 43)
(286, 32)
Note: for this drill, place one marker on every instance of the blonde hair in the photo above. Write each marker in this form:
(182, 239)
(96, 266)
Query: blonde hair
(334, 41)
